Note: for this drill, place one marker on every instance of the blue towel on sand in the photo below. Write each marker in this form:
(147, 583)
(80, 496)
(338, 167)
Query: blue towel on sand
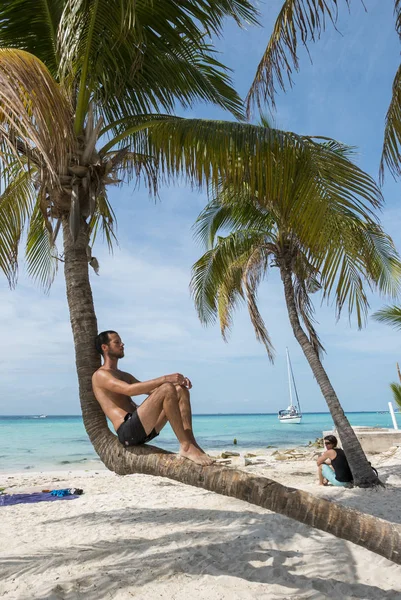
(10, 499)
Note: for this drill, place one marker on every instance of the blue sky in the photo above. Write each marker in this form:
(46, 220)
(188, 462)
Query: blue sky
(142, 290)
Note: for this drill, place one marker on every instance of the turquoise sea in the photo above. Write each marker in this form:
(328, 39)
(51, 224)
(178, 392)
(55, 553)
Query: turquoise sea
(56, 442)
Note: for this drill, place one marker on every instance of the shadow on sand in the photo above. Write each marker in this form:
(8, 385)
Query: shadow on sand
(202, 546)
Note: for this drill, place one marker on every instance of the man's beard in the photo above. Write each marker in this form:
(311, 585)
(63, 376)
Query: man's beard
(115, 355)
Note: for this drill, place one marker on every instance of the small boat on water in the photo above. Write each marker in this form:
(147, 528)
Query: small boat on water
(292, 414)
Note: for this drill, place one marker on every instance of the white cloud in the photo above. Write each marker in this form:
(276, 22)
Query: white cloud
(143, 289)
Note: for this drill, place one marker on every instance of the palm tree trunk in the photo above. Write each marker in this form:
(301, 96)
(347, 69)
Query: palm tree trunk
(84, 330)
(372, 533)
(362, 471)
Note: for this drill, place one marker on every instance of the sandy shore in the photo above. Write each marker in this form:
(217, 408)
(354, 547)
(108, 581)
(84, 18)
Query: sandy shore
(148, 537)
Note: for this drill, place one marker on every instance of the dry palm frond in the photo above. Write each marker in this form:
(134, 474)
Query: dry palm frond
(103, 218)
(16, 206)
(35, 115)
(131, 165)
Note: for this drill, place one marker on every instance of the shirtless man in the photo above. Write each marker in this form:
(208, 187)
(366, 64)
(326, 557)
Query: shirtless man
(168, 400)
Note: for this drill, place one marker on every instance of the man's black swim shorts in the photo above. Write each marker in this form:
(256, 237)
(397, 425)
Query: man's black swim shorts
(132, 433)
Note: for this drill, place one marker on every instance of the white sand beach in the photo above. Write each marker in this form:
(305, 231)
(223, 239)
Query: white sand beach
(152, 538)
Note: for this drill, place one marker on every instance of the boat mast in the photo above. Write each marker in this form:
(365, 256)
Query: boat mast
(289, 376)
(290, 373)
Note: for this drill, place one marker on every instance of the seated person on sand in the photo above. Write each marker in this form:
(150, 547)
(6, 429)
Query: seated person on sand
(333, 466)
(168, 400)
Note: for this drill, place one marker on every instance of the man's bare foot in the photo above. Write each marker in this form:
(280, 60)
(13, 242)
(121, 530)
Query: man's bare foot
(194, 442)
(196, 455)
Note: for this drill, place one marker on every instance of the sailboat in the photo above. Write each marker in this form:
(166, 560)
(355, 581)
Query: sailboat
(292, 414)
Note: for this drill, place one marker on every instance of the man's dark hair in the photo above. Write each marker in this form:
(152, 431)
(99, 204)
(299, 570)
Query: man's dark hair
(102, 338)
(329, 438)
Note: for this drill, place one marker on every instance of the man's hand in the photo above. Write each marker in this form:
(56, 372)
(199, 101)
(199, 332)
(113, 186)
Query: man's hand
(178, 379)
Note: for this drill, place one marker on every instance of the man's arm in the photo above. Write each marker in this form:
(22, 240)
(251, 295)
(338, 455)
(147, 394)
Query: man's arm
(107, 381)
(131, 379)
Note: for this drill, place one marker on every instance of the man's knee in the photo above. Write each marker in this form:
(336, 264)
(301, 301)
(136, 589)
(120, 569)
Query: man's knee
(167, 389)
(182, 391)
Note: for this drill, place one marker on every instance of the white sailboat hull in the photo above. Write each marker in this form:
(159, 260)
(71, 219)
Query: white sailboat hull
(288, 419)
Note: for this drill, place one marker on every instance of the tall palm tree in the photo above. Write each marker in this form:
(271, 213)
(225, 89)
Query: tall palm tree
(301, 22)
(82, 87)
(345, 247)
(81, 84)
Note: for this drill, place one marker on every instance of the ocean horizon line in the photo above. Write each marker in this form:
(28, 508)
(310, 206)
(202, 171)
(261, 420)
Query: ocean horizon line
(350, 412)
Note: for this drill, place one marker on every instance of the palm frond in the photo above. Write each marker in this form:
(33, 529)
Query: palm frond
(298, 21)
(41, 253)
(229, 296)
(231, 271)
(104, 219)
(137, 167)
(391, 152)
(358, 255)
(225, 211)
(397, 13)
(255, 269)
(396, 389)
(306, 281)
(32, 26)
(138, 57)
(35, 115)
(16, 205)
(390, 315)
(275, 164)
(209, 272)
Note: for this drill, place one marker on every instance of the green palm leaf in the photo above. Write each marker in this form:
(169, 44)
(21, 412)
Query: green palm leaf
(223, 212)
(137, 57)
(390, 315)
(276, 163)
(210, 271)
(41, 253)
(396, 389)
(392, 133)
(298, 21)
(35, 29)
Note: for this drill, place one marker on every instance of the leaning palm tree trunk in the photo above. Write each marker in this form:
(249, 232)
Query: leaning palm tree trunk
(372, 533)
(362, 471)
(84, 330)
